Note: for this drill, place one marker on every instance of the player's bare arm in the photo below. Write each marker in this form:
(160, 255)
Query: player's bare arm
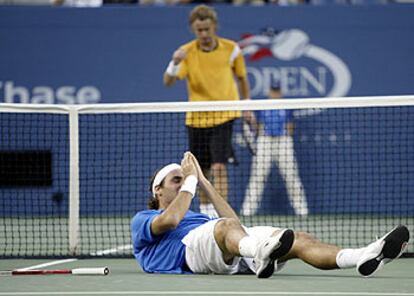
(222, 207)
(244, 88)
(290, 128)
(170, 75)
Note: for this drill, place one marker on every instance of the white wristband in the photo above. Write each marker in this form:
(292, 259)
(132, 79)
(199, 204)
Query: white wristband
(172, 69)
(190, 185)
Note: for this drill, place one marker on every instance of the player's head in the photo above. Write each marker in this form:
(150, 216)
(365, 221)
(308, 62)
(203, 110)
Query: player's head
(203, 22)
(165, 185)
(275, 90)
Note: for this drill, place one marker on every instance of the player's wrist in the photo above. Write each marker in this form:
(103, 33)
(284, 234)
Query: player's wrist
(172, 69)
(190, 185)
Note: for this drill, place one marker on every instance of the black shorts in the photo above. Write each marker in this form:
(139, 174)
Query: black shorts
(212, 145)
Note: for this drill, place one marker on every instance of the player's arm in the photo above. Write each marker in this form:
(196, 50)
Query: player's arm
(175, 212)
(220, 204)
(239, 69)
(290, 127)
(171, 73)
(169, 79)
(223, 209)
(244, 87)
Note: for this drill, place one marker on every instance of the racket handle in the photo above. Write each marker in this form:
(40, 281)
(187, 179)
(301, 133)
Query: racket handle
(36, 272)
(91, 271)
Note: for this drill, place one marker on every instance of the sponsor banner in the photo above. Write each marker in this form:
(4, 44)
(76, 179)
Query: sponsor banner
(118, 55)
(110, 55)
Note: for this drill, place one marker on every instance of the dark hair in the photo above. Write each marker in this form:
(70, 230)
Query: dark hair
(275, 85)
(153, 202)
(203, 12)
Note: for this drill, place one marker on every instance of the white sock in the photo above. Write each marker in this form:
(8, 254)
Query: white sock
(248, 246)
(208, 209)
(348, 258)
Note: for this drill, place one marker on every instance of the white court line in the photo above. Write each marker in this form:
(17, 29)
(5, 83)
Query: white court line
(113, 250)
(56, 262)
(208, 293)
(48, 264)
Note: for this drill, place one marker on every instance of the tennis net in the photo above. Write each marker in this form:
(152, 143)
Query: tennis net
(71, 177)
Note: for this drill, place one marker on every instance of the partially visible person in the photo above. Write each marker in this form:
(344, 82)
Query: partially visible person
(272, 2)
(274, 146)
(249, 2)
(170, 238)
(164, 2)
(78, 3)
(215, 70)
(120, 2)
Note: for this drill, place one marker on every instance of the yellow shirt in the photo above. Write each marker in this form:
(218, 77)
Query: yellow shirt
(211, 77)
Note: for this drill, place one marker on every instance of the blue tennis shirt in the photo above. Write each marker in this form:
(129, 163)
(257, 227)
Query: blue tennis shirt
(163, 253)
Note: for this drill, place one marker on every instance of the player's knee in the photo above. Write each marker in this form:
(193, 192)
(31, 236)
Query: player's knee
(301, 236)
(225, 225)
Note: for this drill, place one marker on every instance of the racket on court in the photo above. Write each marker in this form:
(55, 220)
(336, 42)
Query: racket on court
(76, 271)
(249, 137)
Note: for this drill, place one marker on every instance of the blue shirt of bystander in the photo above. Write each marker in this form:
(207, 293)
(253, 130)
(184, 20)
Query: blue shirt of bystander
(274, 121)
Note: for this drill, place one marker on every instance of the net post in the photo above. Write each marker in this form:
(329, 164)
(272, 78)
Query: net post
(74, 239)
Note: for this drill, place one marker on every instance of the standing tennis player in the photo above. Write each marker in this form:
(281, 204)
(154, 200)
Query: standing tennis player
(170, 238)
(215, 70)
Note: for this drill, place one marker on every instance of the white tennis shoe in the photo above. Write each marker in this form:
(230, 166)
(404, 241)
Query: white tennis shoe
(271, 249)
(383, 251)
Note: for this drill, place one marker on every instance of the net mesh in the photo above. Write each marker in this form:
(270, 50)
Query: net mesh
(343, 174)
(33, 212)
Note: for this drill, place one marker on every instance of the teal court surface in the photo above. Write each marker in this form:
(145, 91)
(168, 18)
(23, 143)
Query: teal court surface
(125, 278)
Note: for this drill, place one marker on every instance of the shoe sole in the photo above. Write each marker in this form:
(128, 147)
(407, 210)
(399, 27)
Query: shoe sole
(395, 243)
(286, 242)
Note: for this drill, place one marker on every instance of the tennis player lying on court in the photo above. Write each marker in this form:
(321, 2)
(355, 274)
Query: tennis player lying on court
(170, 238)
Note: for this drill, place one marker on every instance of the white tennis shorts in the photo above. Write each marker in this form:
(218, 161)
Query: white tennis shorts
(203, 255)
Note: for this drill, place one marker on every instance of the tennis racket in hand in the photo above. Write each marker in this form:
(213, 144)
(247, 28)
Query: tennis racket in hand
(249, 137)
